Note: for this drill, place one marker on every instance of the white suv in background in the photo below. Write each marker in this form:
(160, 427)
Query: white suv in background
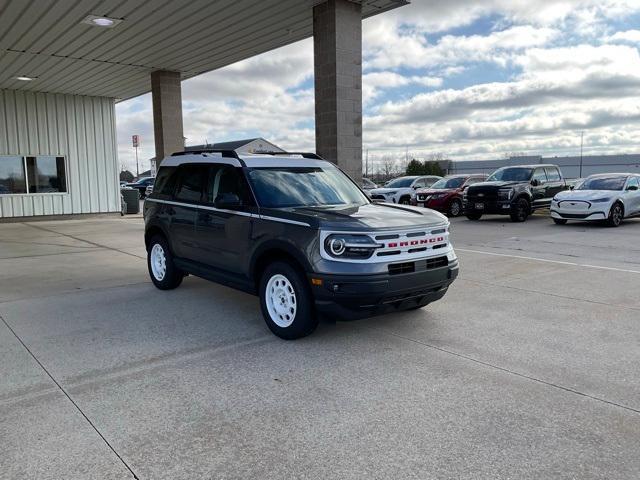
(609, 197)
(402, 189)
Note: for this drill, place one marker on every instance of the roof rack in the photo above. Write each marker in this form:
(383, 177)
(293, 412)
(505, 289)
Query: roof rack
(224, 153)
(310, 155)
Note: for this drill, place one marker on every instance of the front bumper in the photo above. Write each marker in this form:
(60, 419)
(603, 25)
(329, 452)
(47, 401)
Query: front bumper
(574, 214)
(350, 297)
(490, 207)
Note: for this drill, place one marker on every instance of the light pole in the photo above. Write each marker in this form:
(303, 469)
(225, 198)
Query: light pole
(581, 143)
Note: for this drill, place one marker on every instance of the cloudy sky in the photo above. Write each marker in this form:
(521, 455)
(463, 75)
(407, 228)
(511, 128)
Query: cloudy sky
(465, 79)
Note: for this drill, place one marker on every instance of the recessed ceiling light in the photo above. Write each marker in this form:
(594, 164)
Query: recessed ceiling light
(101, 21)
(25, 79)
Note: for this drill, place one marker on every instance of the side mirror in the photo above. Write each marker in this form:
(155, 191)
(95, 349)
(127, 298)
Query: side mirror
(535, 182)
(415, 187)
(226, 200)
(632, 188)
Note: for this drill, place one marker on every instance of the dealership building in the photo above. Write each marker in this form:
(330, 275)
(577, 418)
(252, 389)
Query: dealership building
(65, 63)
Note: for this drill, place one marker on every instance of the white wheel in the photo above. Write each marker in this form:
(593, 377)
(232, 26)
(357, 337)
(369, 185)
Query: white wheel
(281, 300)
(158, 262)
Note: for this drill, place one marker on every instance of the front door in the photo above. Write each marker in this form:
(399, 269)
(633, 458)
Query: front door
(224, 233)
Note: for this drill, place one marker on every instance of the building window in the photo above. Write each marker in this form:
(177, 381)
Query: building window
(37, 174)
(46, 174)
(12, 176)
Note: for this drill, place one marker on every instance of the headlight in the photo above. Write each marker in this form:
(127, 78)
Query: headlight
(505, 194)
(350, 246)
(451, 256)
(601, 200)
(439, 195)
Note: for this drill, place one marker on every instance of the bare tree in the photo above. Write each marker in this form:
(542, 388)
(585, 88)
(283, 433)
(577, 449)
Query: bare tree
(389, 166)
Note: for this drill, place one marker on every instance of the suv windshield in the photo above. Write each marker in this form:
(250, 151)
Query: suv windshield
(402, 182)
(448, 183)
(603, 183)
(511, 174)
(281, 187)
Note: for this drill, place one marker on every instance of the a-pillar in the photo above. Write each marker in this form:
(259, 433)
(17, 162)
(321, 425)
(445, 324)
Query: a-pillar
(337, 42)
(166, 93)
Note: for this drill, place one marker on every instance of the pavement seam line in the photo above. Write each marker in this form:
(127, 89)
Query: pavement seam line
(560, 262)
(506, 370)
(555, 295)
(70, 399)
(37, 227)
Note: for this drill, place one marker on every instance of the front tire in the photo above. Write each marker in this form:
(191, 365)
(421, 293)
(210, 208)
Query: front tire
(616, 214)
(164, 274)
(520, 210)
(455, 208)
(286, 301)
(560, 221)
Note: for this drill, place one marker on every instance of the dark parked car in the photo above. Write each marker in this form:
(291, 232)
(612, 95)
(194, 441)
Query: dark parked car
(296, 231)
(446, 194)
(141, 185)
(516, 191)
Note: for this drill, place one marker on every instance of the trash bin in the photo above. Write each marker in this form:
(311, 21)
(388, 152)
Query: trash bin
(132, 199)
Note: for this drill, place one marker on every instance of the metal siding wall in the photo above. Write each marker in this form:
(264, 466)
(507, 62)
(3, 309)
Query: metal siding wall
(80, 128)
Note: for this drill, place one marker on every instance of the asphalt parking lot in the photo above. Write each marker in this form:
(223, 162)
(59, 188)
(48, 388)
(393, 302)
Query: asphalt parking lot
(528, 368)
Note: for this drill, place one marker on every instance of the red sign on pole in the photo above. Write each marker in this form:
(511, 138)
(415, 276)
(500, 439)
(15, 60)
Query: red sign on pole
(136, 140)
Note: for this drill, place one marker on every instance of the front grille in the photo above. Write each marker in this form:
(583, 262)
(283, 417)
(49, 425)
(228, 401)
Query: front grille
(407, 267)
(577, 215)
(437, 262)
(482, 194)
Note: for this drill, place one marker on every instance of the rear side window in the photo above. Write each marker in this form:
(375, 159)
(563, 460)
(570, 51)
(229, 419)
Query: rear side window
(552, 174)
(190, 181)
(539, 175)
(165, 181)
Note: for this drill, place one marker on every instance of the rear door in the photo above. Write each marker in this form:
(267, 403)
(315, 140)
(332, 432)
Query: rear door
(632, 200)
(555, 184)
(539, 191)
(182, 210)
(224, 233)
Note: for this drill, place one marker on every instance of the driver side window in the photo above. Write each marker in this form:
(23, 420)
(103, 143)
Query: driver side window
(226, 179)
(633, 182)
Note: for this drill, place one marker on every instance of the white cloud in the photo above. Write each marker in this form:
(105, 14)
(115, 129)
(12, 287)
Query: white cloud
(631, 36)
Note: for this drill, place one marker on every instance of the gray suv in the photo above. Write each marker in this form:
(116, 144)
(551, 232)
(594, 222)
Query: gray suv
(298, 232)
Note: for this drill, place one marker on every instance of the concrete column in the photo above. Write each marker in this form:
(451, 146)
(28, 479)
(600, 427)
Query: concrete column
(166, 93)
(337, 45)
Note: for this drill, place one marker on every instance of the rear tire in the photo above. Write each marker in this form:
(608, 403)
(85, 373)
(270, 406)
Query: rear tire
(164, 274)
(616, 214)
(473, 216)
(455, 208)
(521, 210)
(286, 301)
(559, 221)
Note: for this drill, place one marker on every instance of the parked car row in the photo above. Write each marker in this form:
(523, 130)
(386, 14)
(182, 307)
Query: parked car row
(520, 190)
(402, 190)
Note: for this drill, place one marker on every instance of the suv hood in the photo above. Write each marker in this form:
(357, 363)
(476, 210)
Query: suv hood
(387, 190)
(496, 185)
(372, 216)
(587, 194)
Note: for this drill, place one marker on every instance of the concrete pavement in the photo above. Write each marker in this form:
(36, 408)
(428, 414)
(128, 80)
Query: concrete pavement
(528, 368)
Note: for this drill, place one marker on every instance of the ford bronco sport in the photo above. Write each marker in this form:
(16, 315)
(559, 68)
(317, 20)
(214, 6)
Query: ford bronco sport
(297, 231)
